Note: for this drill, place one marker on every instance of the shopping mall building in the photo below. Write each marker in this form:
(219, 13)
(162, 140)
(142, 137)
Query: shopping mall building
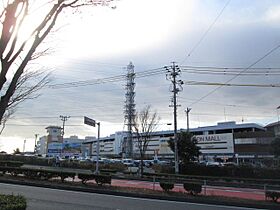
(225, 140)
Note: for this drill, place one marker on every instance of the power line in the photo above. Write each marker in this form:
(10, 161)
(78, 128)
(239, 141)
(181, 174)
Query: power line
(207, 31)
(244, 70)
(231, 73)
(112, 79)
(231, 85)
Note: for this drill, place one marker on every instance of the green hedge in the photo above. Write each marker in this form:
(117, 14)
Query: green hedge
(38, 173)
(166, 186)
(192, 188)
(12, 202)
(242, 171)
(100, 179)
(273, 195)
(86, 177)
(11, 163)
(40, 161)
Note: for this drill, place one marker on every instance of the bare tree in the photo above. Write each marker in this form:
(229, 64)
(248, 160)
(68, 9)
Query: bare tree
(16, 51)
(144, 124)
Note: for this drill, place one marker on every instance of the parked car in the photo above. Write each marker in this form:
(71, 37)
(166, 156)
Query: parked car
(230, 164)
(214, 164)
(128, 162)
(161, 162)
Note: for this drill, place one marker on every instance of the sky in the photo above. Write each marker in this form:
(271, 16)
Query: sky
(99, 42)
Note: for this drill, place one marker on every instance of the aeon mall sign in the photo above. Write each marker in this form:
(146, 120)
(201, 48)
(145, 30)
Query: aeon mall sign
(216, 143)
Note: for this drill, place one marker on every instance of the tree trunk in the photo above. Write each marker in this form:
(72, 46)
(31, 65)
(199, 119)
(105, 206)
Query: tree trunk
(3, 106)
(141, 165)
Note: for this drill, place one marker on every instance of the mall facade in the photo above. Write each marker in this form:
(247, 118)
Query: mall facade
(226, 140)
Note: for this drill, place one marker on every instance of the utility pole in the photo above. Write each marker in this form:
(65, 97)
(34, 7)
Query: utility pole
(23, 149)
(173, 72)
(188, 122)
(277, 109)
(64, 119)
(97, 149)
(278, 125)
(36, 136)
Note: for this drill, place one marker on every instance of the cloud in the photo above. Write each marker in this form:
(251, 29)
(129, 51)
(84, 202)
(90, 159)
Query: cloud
(151, 34)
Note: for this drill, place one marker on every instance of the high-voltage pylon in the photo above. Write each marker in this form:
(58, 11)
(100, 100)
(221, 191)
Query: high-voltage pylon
(129, 109)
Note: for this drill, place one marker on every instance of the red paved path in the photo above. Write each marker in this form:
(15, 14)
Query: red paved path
(246, 193)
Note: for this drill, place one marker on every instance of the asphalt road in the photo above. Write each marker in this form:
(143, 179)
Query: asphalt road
(52, 199)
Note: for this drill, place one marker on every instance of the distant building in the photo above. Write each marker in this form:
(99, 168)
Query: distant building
(274, 127)
(253, 145)
(226, 140)
(53, 144)
(108, 146)
(54, 134)
(41, 146)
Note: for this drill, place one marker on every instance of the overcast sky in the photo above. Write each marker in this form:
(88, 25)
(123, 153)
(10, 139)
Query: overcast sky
(100, 42)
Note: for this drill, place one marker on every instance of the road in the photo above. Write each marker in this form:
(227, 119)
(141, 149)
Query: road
(52, 199)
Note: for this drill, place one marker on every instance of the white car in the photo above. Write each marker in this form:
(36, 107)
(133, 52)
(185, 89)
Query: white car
(127, 162)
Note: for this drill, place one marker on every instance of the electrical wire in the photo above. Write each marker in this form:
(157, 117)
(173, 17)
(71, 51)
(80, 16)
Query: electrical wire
(112, 79)
(244, 70)
(231, 85)
(206, 32)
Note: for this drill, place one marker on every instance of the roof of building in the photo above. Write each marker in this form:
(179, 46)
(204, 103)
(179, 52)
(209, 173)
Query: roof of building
(272, 124)
(53, 126)
(227, 125)
(219, 126)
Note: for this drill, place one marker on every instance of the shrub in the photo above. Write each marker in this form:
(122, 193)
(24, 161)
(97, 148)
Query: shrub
(166, 186)
(3, 169)
(110, 171)
(103, 179)
(274, 195)
(30, 173)
(11, 163)
(113, 167)
(163, 169)
(86, 177)
(15, 171)
(11, 202)
(64, 175)
(193, 188)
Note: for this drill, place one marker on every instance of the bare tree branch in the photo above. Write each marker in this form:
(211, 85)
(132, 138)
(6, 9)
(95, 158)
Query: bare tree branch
(145, 123)
(7, 116)
(16, 53)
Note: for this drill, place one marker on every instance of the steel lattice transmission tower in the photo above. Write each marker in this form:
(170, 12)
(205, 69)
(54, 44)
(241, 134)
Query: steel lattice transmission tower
(129, 109)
